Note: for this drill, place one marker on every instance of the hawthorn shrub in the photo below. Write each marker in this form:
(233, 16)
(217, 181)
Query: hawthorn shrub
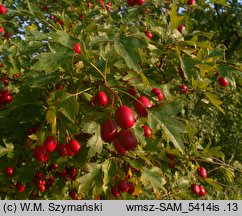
(116, 100)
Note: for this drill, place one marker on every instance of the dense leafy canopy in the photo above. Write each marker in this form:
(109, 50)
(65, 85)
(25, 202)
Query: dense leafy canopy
(56, 55)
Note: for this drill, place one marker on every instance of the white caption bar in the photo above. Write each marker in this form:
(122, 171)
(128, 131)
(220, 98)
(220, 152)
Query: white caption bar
(120, 207)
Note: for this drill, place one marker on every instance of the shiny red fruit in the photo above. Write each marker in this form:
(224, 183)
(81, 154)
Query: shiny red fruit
(100, 99)
(50, 143)
(195, 189)
(183, 88)
(74, 145)
(124, 117)
(20, 187)
(70, 152)
(222, 81)
(119, 148)
(1, 30)
(9, 171)
(180, 28)
(202, 191)
(40, 153)
(115, 191)
(3, 10)
(58, 20)
(77, 48)
(202, 172)
(139, 2)
(6, 96)
(127, 139)
(191, 2)
(42, 188)
(123, 186)
(141, 105)
(148, 34)
(108, 130)
(147, 131)
(131, 187)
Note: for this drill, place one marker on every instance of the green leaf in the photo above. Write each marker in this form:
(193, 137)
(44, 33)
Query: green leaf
(51, 118)
(50, 62)
(70, 108)
(175, 20)
(165, 119)
(214, 184)
(153, 177)
(214, 100)
(6, 150)
(37, 79)
(92, 182)
(126, 48)
(95, 142)
(109, 169)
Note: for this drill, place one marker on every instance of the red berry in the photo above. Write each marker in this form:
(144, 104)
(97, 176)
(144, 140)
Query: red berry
(74, 145)
(115, 191)
(141, 105)
(124, 117)
(195, 189)
(42, 188)
(132, 91)
(123, 186)
(3, 10)
(51, 179)
(127, 139)
(108, 130)
(77, 48)
(62, 150)
(159, 93)
(171, 156)
(1, 30)
(70, 152)
(222, 81)
(9, 171)
(59, 86)
(191, 2)
(7, 34)
(72, 172)
(180, 28)
(147, 131)
(52, 17)
(131, 2)
(202, 191)
(55, 166)
(89, 4)
(139, 2)
(131, 187)
(148, 34)
(172, 164)
(40, 153)
(32, 130)
(202, 172)
(20, 187)
(73, 195)
(100, 99)
(58, 20)
(50, 143)
(119, 148)
(6, 96)
(183, 88)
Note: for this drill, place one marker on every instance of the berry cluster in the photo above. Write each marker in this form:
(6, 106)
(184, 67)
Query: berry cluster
(123, 186)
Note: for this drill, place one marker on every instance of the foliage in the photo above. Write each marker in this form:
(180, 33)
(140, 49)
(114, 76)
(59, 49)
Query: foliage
(53, 89)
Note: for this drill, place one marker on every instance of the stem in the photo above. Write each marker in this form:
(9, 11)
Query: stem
(100, 72)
